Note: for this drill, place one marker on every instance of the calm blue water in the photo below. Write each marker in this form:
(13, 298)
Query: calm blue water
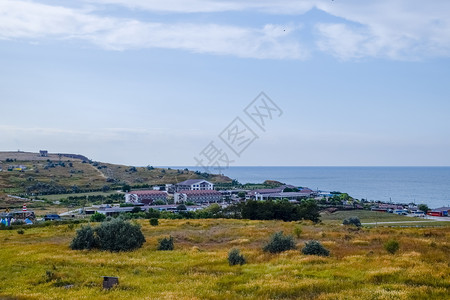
(429, 185)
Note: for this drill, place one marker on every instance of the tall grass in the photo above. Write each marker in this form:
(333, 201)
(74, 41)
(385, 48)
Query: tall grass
(40, 265)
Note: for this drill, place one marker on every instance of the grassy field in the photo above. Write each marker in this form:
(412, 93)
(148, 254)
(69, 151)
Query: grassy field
(63, 196)
(39, 264)
(366, 216)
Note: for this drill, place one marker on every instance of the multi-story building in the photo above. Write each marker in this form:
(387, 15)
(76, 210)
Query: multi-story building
(194, 185)
(198, 196)
(145, 196)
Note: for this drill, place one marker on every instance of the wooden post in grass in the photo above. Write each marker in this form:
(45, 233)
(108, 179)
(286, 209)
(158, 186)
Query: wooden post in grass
(110, 282)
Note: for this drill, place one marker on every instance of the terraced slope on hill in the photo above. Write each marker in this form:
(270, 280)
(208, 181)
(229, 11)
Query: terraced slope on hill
(60, 174)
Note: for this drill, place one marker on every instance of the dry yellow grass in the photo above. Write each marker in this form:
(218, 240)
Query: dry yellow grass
(40, 265)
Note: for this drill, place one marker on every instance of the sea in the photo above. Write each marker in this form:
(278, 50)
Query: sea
(420, 185)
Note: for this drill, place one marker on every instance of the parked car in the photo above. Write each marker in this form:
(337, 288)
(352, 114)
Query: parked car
(52, 217)
(419, 213)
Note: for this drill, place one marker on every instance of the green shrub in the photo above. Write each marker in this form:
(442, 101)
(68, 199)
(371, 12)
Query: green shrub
(152, 213)
(158, 202)
(98, 217)
(392, 246)
(136, 209)
(352, 221)
(154, 222)
(315, 248)
(119, 235)
(165, 244)
(279, 243)
(116, 235)
(20, 231)
(298, 230)
(85, 239)
(181, 207)
(18, 222)
(235, 257)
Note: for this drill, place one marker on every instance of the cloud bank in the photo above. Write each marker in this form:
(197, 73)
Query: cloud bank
(396, 30)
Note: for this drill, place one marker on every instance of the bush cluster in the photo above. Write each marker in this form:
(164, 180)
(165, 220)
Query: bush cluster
(279, 243)
(154, 222)
(115, 235)
(280, 210)
(352, 221)
(165, 244)
(235, 257)
(298, 230)
(315, 248)
(98, 217)
(392, 246)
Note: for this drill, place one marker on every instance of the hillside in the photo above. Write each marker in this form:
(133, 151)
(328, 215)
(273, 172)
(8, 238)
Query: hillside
(62, 174)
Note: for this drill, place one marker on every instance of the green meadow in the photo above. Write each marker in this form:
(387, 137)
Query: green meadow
(39, 264)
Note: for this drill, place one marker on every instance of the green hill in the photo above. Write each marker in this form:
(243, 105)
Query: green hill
(28, 174)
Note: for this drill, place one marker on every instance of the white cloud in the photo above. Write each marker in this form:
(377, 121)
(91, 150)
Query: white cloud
(400, 29)
(397, 30)
(30, 20)
(208, 6)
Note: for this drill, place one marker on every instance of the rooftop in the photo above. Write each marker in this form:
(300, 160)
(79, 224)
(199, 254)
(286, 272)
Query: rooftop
(192, 181)
(147, 192)
(200, 192)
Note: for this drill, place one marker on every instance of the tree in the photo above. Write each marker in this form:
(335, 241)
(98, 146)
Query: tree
(423, 207)
(214, 210)
(181, 207)
(126, 188)
(119, 235)
(98, 217)
(309, 210)
(136, 209)
(75, 189)
(152, 213)
(279, 243)
(85, 239)
(241, 194)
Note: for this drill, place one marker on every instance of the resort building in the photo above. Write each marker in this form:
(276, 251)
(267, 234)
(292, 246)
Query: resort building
(145, 196)
(198, 196)
(194, 185)
(279, 193)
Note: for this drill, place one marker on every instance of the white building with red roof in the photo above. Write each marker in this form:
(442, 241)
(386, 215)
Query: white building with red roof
(198, 196)
(145, 196)
(194, 185)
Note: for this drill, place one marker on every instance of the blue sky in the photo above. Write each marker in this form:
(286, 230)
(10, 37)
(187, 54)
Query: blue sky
(359, 83)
